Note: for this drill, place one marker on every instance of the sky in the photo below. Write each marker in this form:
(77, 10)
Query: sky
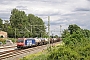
(61, 12)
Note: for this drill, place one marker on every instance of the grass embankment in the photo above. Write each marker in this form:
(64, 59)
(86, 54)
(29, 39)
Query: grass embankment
(42, 55)
(37, 56)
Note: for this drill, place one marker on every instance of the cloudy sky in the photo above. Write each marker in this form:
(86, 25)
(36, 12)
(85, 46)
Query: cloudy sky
(61, 12)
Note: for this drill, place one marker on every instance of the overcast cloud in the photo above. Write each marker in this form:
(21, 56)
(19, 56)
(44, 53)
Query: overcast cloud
(61, 12)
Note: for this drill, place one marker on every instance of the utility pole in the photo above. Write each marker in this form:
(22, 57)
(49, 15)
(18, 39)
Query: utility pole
(15, 34)
(49, 30)
(31, 28)
(60, 30)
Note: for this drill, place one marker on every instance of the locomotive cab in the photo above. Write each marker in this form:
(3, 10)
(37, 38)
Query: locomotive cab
(25, 42)
(20, 43)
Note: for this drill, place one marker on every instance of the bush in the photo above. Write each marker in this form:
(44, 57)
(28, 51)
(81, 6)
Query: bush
(2, 40)
(13, 40)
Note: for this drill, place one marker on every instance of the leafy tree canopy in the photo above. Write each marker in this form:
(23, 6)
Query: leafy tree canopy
(23, 25)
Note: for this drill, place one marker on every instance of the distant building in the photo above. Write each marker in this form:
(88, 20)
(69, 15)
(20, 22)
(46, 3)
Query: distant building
(3, 34)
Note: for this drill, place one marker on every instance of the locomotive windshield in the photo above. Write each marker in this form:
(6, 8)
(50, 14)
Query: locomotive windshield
(20, 41)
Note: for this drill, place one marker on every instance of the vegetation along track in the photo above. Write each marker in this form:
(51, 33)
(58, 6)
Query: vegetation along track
(19, 53)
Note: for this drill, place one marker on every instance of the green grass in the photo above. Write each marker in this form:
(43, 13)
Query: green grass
(42, 55)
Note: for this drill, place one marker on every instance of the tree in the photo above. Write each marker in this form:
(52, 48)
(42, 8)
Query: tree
(18, 19)
(6, 25)
(26, 25)
(1, 23)
(77, 45)
(65, 33)
(73, 28)
(37, 25)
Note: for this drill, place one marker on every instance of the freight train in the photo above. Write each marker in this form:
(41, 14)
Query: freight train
(30, 42)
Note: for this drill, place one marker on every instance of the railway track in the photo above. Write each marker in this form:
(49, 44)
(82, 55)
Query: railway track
(5, 47)
(16, 54)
